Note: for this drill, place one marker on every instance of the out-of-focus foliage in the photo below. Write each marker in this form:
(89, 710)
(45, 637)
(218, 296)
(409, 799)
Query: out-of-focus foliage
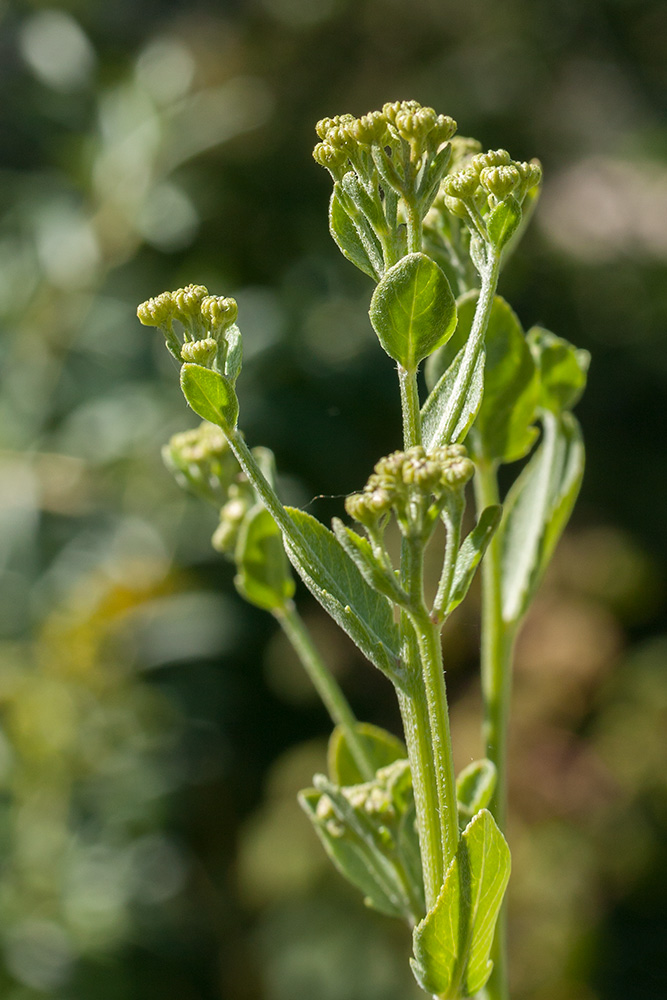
(154, 728)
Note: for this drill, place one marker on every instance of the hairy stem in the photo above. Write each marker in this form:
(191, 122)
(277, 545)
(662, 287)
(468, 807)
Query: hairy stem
(325, 684)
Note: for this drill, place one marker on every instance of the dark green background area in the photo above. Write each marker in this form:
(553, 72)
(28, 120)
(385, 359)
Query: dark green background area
(154, 729)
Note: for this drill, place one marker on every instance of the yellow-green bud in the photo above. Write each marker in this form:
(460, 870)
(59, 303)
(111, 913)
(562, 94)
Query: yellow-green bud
(456, 207)
(464, 184)
(443, 130)
(158, 311)
(369, 129)
(327, 125)
(413, 125)
(500, 181)
(329, 156)
(187, 301)
(493, 158)
(218, 312)
(200, 352)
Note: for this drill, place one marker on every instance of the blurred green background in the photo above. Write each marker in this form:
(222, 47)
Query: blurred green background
(154, 728)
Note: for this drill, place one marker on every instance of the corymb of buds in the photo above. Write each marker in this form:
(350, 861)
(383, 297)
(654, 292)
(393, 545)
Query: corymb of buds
(232, 515)
(202, 461)
(408, 483)
(485, 181)
(203, 318)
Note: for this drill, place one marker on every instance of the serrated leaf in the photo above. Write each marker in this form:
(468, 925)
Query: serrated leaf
(334, 580)
(359, 244)
(537, 509)
(475, 786)
(210, 395)
(502, 222)
(453, 942)
(444, 409)
(502, 430)
(264, 577)
(470, 554)
(413, 310)
(381, 747)
(353, 858)
(562, 369)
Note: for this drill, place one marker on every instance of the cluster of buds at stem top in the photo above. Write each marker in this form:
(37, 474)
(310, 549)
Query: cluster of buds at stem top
(206, 322)
(487, 181)
(203, 463)
(387, 167)
(413, 485)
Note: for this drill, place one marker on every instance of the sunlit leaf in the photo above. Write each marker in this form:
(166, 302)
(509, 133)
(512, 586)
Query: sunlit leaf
(210, 395)
(470, 554)
(413, 310)
(264, 576)
(562, 369)
(337, 584)
(537, 509)
(453, 942)
(382, 748)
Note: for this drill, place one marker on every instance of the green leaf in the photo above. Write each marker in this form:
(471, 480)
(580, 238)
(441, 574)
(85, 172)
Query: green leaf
(234, 356)
(453, 942)
(210, 395)
(438, 412)
(360, 551)
(413, 310)
(356, 242)
(562, 369)
(264, 577)
(475, 786)
(502, 222)
(537, 509)
(502, 430)
(382, 748)
(354, 857)
(470, 554)
(334, 580)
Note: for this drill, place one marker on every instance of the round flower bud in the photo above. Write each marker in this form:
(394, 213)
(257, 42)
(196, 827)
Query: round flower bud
(187, 301)
(369, 129)
(531, 174)
(415, 125)
(200, 352)
(456, 207)
(327, 125)
(443, 130)
(219, 312)
(500, 181)
(464, 184)
(331, 157)
(493, 158)
(158, 311)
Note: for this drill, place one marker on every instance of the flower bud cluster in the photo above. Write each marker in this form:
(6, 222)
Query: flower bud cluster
(202, 462)
(405, 482)
(384, 800)
(486, 180)
(346, 139)
(204, 320)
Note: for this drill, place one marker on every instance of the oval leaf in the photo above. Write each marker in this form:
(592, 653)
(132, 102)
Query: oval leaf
(502, 222)
(334, 580)
(453, 942)
(210, 395)
(562, 369)
(382, 748)
(475, 786)
(359, 245)
(413, 310)
(264, 577)
(537, 509)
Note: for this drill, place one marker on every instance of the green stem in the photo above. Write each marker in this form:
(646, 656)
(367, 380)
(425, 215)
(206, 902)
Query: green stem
(326, 685)
(430, 650)
(414, 713)
(409, 407)
(497, 654)
(414, 226)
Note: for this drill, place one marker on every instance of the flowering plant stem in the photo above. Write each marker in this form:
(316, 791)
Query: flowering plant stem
(421, 844)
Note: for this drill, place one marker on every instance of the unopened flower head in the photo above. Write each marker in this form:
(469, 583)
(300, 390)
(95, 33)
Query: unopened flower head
(202, 461)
